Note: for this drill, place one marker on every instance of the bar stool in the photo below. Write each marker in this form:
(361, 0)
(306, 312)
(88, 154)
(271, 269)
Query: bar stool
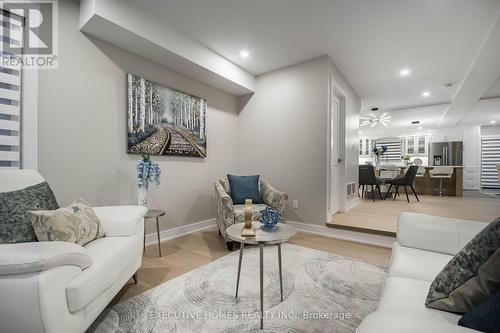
(441, 172)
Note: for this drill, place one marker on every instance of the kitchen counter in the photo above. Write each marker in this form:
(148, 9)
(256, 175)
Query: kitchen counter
(451, 186)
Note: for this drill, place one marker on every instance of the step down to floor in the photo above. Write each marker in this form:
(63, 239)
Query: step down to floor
(360, 229)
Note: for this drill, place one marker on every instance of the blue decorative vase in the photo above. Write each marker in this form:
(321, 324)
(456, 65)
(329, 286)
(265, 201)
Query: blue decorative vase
(269, 219)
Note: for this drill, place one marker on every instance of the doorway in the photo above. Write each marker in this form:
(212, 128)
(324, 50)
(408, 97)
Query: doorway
(336, 195)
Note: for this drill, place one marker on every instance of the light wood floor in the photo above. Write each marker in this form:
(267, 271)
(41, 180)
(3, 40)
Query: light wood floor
(186, 253)
(382, 215)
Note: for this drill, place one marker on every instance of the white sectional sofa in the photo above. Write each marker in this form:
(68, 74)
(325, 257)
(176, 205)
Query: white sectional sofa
(60, 287)
(423, 247)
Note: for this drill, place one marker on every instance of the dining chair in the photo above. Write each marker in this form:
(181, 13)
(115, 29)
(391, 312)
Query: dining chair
(407, 180)
(367, 177)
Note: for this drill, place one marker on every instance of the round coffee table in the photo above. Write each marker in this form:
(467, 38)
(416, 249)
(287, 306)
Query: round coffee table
(280, 234)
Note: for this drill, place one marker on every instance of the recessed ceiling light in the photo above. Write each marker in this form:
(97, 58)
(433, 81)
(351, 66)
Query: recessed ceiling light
(493, 122)
(426, 94)
(244, 54)
(404, 72)
(420, 128)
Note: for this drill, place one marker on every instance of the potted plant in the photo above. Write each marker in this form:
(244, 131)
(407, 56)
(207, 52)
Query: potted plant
(379, 151)
(148, 171)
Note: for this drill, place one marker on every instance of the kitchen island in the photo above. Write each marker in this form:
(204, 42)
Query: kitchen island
(451, 186)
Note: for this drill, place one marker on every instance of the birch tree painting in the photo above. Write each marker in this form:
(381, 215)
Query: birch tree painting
(164, 121)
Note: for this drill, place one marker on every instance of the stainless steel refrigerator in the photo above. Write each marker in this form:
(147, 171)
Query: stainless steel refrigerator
(446, 153)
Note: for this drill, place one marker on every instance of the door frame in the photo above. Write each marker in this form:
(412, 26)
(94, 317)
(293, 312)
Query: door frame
(336, 92)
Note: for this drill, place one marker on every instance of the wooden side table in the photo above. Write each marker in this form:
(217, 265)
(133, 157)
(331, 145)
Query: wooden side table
(153, 214)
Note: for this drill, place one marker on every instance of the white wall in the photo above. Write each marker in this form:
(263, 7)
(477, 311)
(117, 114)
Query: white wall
(490, 130)
(283, 134)
(353, 106)
(82, 138)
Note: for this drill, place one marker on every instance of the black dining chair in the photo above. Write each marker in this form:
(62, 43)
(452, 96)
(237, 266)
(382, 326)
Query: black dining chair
(367, 177)
(407, 180)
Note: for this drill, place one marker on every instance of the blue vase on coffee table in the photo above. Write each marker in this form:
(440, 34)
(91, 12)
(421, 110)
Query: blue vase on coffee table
(269, 219)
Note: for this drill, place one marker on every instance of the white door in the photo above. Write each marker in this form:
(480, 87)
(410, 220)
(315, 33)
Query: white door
(334, 161)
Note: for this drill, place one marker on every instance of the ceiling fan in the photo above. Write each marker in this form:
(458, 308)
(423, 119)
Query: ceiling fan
(374, 119)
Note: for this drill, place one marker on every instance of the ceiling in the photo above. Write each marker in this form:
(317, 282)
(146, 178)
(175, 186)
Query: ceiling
(370, 41)
(494, 91)
(440, 41)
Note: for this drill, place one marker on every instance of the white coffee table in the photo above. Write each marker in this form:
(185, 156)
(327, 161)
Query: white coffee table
(280, 234)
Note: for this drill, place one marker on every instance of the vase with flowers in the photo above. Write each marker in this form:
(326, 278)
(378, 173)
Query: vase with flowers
(148, 171)
(407, 160)
(379, 151)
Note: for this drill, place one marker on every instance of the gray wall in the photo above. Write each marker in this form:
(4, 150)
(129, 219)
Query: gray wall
(283, 134)
(82, 139)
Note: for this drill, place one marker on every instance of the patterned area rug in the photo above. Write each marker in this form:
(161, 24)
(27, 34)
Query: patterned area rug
(321, 292)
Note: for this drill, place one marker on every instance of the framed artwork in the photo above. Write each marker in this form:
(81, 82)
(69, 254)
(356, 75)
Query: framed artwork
(164, 121)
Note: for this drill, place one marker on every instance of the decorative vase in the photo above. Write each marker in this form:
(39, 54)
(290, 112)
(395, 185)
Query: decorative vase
(377, 162)
(142, 196)
(269, 219)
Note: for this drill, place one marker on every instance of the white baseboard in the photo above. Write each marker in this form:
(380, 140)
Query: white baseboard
(179, 231)
(353, 236)
(351, 204)
(359, 237)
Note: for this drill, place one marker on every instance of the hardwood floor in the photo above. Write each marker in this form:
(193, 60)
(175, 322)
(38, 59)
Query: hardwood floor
(186, 253)
(382, 215)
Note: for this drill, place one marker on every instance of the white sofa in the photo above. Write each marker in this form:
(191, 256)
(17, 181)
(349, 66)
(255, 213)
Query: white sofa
(425, 244)
(59, 287)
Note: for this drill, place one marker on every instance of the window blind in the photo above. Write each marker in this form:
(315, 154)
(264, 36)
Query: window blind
(10, 95)
(394, 149)
(490, 157)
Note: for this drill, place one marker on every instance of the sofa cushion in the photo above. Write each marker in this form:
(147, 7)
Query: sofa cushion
(244, 187)
(416, 264)
(484, 317)
(111, 257)
(471, 276)
(403, 295)
(76, 223)
(120, 220)
(15, 224)
(239, 212)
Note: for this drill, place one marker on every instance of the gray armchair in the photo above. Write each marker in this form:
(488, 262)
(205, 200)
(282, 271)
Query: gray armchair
(229, 214)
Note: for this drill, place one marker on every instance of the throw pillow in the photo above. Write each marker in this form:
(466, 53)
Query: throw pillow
(76, 223)
(485, 317)
(244, 187)
(15, 224)
(471, 275)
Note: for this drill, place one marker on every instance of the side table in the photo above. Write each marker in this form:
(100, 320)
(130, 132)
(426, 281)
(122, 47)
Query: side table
(153, 214)
(281, 234)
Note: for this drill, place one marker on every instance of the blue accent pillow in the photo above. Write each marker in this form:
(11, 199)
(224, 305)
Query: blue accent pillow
(484, 317)
(244, 187)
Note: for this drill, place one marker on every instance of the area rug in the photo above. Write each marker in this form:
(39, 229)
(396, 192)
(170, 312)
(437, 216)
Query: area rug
(322, 293)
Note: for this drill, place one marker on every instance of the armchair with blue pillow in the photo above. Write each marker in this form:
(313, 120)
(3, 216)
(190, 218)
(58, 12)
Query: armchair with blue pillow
(230, 195)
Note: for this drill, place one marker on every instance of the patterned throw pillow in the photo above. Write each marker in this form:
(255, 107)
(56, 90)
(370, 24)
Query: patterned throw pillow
(15, 224)
(471, 276)
(76, 223)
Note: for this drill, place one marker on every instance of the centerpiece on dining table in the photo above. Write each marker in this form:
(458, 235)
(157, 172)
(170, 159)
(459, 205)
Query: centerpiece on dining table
(379, 151)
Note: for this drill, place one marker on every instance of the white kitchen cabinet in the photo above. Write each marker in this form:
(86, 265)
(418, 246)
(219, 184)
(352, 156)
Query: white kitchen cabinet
(417, 145)
(447, 134)
(365, 147)
(472, 157)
